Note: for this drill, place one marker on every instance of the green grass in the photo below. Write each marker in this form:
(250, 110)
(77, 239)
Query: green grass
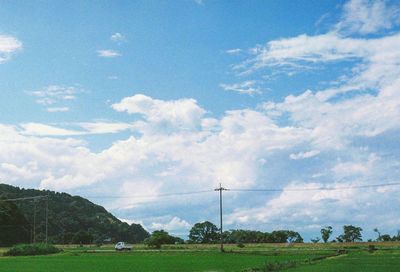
(379, 261)
(141, 261)
(197, 258)
(148, 261)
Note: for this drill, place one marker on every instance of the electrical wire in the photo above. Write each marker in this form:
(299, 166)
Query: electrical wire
(151, 196)
(317, 188)
(229, 189)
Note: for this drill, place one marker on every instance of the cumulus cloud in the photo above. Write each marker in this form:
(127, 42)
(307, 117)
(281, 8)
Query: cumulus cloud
(178, 144)
(8, 46)
(361, 107)
(182, 114)
(307, 212)
(174, 225)
(108, 53)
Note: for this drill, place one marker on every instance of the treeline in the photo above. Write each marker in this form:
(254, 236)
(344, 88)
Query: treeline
(352, 234)
(251, 236)
(71, 219)
(206, 233)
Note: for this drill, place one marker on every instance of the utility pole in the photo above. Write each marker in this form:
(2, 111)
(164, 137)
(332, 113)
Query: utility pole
(47, 216)
(34, 220)
(220, 189)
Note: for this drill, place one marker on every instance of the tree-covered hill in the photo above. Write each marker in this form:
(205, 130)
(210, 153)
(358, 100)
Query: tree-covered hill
(71, 219)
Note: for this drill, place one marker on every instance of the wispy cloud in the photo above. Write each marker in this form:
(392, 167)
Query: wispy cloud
(368, 16)
(57, 109)
(246, 87)
(304, 155)
(74, 129)
(107, 53)
(8, 46)
(233, 51)
(37, 129)
(117, 37)
(54, 96)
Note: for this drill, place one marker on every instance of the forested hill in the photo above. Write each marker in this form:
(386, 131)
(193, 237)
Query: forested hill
(71, 219)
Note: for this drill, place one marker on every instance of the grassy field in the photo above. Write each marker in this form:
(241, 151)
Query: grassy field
(253, 257)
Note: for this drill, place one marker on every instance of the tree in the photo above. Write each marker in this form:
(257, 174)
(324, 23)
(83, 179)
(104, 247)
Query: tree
(67, 215)
(161, 237)
(82, 237)
(315, 240)
(379, 234)
(385, 238)
(326, 233)
(14, 228)
(350, 234)
(204, 233)
(294, 237)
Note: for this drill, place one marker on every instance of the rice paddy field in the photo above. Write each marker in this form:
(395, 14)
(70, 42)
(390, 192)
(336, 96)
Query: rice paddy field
(253, 257)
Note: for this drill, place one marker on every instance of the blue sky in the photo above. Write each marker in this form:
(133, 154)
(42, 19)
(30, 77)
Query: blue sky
(144, 98)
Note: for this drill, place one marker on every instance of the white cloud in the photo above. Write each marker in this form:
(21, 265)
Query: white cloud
(105, 127)
(57, 109)
(233, 51)
(117, 37)
(173, 225)
(344, 169)
(183, 114)
(85, 128)
(107, 53)
(53, 95)
(303, 49)
(246, 87)
(8, 46)
(37, 129)
(130, 222)
(367, 16)
(304, 155)
(177, 144)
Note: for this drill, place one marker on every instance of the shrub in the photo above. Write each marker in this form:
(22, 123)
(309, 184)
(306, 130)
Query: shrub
(240, 245)
(32, 249)
(371, 248)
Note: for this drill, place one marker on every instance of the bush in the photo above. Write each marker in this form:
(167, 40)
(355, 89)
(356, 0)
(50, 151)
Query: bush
(240, 245)
(371, 248)
(161, 237)
(32, 249)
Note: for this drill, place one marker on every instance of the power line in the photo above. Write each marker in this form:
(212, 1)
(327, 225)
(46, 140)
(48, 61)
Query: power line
(317, 188)
(250, 190)
(155, 195)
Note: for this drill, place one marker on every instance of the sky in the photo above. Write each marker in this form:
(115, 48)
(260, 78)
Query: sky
(131, 103)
